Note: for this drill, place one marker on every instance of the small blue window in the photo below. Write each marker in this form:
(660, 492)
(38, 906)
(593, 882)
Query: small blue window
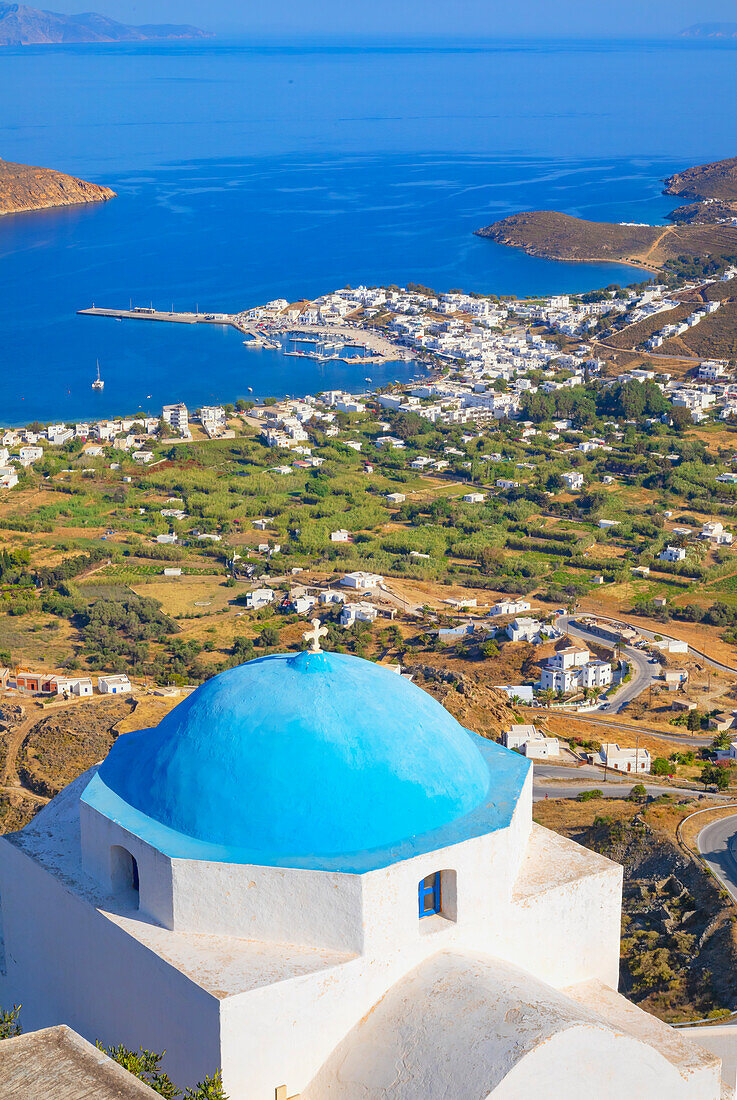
(429, 895)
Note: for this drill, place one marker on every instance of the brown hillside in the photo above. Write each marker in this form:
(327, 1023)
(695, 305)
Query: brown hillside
(561, 237)
(715, 210)
(717, 180)
(23, 187)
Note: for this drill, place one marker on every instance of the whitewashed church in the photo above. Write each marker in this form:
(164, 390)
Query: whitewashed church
(311, 875)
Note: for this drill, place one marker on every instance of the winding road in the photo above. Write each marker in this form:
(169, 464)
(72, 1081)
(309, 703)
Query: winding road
(716, 842)
(642, 668)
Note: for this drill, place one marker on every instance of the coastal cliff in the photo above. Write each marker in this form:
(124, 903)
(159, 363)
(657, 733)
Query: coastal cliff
(717, 180)
(23, 187)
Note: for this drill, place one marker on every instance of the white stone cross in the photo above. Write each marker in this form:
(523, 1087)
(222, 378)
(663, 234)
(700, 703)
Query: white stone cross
(315, 635)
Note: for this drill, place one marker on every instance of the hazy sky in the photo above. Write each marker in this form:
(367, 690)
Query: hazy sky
(418, 17)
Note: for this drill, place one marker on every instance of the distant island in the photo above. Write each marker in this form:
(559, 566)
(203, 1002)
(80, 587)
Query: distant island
(23, 187)
(710, 30)
(24, 26)
(703, 232)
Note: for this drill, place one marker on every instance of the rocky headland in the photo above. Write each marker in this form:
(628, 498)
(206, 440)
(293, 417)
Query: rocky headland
(23, 187)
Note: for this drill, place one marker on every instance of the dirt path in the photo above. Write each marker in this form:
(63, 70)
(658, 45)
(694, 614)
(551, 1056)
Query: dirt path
(16, 736)
(646, 256)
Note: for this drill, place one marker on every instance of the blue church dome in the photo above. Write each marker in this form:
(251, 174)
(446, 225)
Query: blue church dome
(291, 757)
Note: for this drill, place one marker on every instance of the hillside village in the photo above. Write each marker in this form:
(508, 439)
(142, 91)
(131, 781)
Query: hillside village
(530, 487)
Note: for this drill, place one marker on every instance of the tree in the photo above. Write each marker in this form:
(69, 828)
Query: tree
(660, 766)
(722, 740)
(637, 793)
(209, 1089)
(693, 722)
(715, 775)
(10, 1022)
(680, 418)
(145, 1065)
(269, 635)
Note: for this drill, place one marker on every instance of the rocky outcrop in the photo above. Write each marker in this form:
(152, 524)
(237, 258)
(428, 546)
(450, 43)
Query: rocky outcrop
(717, 180)
(23, 187)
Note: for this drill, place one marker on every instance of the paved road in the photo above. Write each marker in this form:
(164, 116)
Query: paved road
(643, 672)
(683, 738)
(650, 634)
(714, 844)
(541, 791)
(553, 781)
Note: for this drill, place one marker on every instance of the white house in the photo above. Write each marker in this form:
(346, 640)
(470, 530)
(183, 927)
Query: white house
(28, 455)
(474, 498)
(8, 477)
(360, 579)
(357, 612)
(523, 630)
(532, 741)
(303, 604)
(330, 595)
(396, 498)
(672, 553)
(340, 536)
(624, 760)
(259, 597)
(223, 888)
(116, 684)
(715, 533)
(571, 668)
(511, 607)
(72, 685)
(573, 480)
(177, 417)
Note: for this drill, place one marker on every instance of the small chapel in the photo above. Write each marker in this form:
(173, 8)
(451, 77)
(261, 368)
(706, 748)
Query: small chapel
(311, 875)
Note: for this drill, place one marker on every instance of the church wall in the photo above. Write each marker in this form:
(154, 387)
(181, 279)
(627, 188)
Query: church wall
(570, 933)
(283, 905)
(99, 835)
(256, 1059)
(67, 963)
(485, 869)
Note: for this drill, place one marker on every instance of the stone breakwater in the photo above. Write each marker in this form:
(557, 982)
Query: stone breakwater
(23, 188)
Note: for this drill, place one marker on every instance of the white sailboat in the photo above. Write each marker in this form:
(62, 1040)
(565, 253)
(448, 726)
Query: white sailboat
(98, 384)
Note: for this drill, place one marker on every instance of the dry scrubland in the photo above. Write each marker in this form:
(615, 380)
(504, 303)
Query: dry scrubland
(558, 236)
(679, 928)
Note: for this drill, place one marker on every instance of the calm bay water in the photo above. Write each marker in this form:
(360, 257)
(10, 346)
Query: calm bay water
(246, 172)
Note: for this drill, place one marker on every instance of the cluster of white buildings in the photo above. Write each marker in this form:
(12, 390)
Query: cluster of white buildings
(62, 684)
(677, 329)
(572, 668)
(531, 742)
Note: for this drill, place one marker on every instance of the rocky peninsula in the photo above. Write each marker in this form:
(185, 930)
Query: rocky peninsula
(23, 187)
(704, 229)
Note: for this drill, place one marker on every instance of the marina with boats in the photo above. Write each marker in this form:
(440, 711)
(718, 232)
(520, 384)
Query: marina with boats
(347, 342)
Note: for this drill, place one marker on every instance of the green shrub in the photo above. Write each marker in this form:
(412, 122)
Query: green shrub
(586, 796)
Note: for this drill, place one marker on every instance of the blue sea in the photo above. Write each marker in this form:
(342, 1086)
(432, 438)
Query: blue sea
(246, 171)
